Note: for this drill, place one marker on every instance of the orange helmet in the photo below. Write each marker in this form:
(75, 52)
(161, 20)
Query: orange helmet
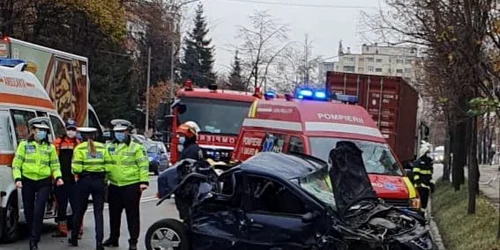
(188, 129)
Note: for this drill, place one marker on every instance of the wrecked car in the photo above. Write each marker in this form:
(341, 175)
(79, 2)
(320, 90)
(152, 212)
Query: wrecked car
(287, 201)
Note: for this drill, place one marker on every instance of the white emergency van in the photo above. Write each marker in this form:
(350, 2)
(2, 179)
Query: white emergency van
(22, 97)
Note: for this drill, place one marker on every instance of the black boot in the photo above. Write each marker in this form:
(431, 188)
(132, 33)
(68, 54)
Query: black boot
(33, 245)
(132, 247)
(99, 247)
(110, 243)
(73, 241)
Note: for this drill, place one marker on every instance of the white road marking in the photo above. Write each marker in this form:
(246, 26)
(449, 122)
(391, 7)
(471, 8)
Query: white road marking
(143, 200)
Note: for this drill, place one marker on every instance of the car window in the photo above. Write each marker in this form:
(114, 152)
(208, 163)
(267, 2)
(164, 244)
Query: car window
(20, 119)
(41, 113)
(57, 125)
(295, 145)
(6, 142)
(273, 143)
(267, 196)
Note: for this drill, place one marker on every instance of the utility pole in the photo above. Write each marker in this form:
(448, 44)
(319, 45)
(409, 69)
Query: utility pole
(146, 129)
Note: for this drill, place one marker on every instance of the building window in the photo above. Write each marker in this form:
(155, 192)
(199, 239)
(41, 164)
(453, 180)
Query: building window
(379, 60)
(349, 59)
(407, 70)
(349, 68)
(369, 59)
(399, 70)
(378, 70)
(361, 59)
(399, 61)
(409, 61)
(361, 69)
(370, 68)
(389, 70)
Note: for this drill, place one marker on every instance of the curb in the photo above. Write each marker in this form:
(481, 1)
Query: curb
(434, 228)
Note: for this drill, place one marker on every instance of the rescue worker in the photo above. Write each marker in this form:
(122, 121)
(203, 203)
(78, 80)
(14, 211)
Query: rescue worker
(188, 148)
(422, 176)
(129, 176)
(64, 194)
(34, 163)
(91, 164)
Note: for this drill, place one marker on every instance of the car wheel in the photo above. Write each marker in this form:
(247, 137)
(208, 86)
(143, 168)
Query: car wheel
(155, 169)
(11, 221)
(167, 234)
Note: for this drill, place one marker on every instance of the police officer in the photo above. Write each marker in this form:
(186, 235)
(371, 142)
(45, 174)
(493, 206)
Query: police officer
(34, 163)
(129, 176)
(188, 148)
(65, 193)
(90, 163)
(422, 176)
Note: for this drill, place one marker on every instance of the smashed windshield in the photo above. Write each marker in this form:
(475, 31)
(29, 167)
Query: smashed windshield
(215, 116)
(377, 157)
(318, 185)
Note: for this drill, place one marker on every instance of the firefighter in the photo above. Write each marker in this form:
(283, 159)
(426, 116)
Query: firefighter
(129, 177)
(34, 163)
(422, 176)
(64, 194)
(188, 148)
(91, 163)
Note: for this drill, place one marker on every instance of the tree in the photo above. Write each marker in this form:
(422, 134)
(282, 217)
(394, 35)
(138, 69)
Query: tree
(198, 53)
(235, 79)
(262, 44)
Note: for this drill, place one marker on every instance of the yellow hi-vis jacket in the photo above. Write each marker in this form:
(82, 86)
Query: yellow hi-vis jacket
(35, 161)
(130, 164)
(83, 161)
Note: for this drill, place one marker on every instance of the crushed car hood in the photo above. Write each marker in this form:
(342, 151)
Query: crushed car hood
(350, 181)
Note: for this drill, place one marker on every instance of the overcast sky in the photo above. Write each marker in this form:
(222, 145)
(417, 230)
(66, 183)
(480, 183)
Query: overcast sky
(325, 21)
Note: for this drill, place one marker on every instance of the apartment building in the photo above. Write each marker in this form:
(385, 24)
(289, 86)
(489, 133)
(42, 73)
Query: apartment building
(379, 60)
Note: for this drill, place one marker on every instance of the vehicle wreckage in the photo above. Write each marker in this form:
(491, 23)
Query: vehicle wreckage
(284, 201)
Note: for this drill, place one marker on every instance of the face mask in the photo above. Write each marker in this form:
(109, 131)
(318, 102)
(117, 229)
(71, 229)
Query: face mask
(182, 139)
(180, 148)
(120, 136)
(40, 135)
(71, 134)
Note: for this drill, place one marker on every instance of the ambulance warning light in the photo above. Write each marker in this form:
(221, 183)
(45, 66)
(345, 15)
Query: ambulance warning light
(11, 62)
(188, 85)
(269, 95)
(351, 99)
(311, 94)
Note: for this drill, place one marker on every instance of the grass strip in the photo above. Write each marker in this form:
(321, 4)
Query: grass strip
(459, 230)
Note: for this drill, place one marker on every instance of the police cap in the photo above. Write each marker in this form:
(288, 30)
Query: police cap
(39, 122)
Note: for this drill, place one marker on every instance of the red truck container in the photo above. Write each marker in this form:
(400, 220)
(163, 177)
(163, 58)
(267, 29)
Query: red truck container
(391, 101)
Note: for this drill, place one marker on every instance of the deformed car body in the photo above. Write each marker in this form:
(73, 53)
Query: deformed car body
(280, 201)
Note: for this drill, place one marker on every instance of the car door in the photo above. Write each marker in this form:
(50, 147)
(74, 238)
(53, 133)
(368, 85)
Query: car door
(163, 156)
(274, 217)
(215, 225)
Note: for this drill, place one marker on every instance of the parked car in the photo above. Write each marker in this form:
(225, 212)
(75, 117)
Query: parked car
(438, 154)
(157, 155)
(305, 205)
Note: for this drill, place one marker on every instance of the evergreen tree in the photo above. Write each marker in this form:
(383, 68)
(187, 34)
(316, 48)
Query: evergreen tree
(235, 79)
(198, 53)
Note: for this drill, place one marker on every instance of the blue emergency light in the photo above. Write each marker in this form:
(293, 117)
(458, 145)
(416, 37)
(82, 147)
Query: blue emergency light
(270, 94)
(11, 62)
(311, 94)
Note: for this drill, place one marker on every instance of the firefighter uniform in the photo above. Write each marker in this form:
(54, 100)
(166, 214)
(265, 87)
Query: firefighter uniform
(129, 176)
(422, 177)
(65, 193)
(34, 164)
(90, 163)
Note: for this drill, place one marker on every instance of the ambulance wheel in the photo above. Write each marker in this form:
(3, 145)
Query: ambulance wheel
(167, 234)
(10, 225)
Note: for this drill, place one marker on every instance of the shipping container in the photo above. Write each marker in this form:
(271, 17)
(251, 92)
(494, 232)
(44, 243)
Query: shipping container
(391, 101)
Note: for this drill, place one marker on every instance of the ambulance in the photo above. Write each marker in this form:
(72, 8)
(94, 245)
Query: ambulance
(22, 97)
(311, 124)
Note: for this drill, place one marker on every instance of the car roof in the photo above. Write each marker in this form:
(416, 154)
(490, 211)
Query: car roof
(279, 165)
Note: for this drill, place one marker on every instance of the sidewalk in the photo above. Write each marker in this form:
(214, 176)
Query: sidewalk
(489, 182)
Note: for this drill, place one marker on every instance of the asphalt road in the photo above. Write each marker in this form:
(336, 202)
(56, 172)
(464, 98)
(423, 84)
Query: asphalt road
(150, 213)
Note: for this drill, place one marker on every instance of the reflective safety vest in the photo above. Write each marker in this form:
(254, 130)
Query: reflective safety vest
(422, 174)
(35, 161)
(130, 164)
(84, 161)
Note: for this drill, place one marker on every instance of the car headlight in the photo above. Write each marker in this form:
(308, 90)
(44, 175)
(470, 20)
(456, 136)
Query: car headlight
(151, 158)
(415, 203)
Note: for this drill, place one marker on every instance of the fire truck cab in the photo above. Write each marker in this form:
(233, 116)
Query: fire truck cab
(312, 124)
(219, 113)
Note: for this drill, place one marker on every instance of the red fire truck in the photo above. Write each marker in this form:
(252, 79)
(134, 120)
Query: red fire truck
(314, 127)
(219, 114)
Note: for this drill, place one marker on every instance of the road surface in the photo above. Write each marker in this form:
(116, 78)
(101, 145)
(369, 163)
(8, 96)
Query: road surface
(150, 213)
